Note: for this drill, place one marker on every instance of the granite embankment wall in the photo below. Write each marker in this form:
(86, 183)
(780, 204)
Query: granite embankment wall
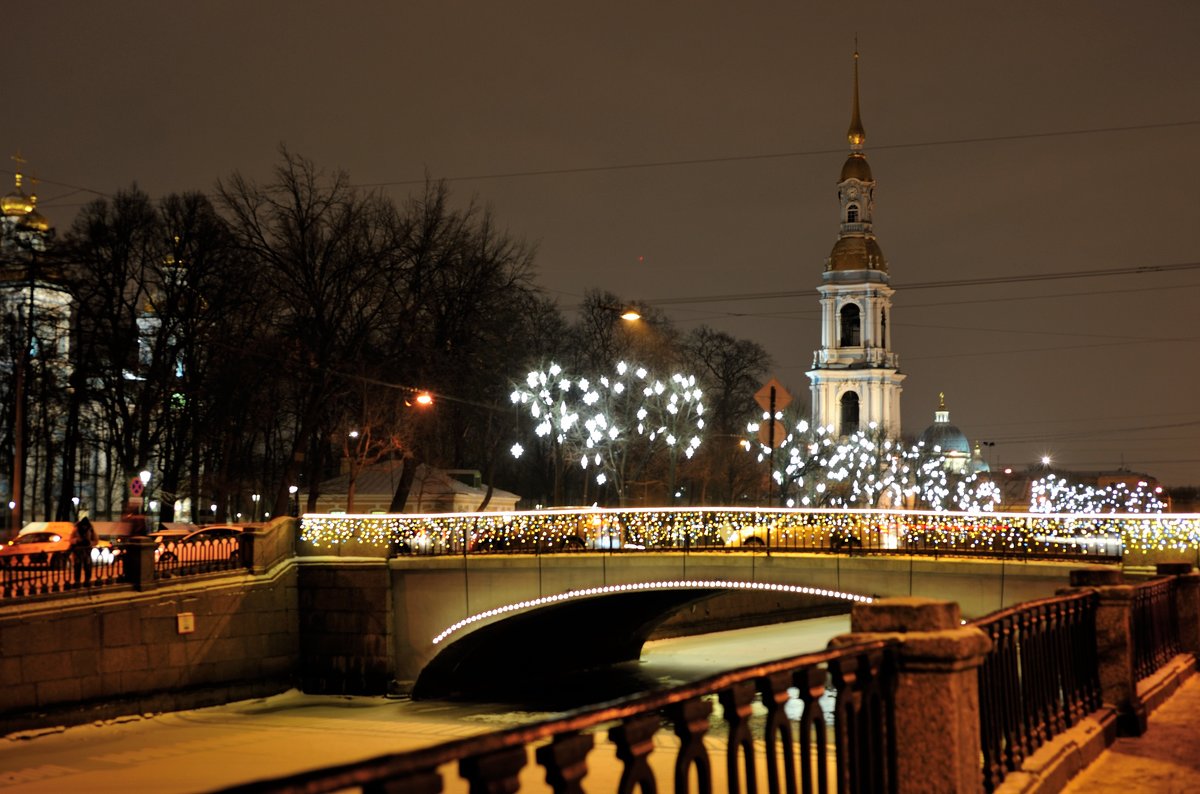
(181, 644)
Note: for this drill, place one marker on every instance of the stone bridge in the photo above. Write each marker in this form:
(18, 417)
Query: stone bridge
(457, 620)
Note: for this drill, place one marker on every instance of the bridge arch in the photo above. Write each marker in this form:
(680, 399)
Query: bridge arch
(571, 631)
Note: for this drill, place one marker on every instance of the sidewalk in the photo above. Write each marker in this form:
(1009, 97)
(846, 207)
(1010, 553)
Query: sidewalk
(1165, 760)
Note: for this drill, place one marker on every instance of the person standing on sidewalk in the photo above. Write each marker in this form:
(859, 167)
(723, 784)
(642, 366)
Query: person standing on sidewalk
(83, 540)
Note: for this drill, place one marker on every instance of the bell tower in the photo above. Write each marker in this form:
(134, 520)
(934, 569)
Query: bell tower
(855, 375)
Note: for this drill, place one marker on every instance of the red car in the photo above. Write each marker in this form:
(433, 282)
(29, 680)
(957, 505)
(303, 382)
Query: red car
(48, 543)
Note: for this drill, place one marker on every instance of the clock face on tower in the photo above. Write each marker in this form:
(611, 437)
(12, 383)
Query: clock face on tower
(852, 192)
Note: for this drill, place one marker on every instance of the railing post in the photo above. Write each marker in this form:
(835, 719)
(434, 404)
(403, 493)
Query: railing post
(139, 562)
(1187, 601)
(1114, 646)
(937, 725)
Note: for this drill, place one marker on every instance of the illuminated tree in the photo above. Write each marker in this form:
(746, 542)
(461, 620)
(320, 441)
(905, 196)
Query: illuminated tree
(1053, 494)
(867, 469)
(615, 425)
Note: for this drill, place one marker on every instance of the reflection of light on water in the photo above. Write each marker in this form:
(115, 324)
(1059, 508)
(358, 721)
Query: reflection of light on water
(795, 707)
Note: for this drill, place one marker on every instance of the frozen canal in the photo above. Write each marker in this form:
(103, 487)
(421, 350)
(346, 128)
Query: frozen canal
(208, 748)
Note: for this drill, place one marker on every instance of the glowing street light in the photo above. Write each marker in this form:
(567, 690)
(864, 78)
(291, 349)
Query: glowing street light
(630, 315)
(1046, 460)
(424, 398)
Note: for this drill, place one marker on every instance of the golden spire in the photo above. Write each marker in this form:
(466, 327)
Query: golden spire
(941, 401)
(857, 135)
(20, 161)
(16, 203)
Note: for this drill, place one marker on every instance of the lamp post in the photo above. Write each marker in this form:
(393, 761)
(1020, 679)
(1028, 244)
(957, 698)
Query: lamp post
(293, 500)
(254, 498)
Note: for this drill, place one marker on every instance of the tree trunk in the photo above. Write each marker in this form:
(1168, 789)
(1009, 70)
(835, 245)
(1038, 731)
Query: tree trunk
(407, 475)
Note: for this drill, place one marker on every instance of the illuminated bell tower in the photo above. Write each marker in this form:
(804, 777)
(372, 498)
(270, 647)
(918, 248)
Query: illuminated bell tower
(855, 375)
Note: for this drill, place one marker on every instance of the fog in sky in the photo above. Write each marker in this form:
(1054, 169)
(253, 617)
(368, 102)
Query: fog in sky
(691, 150)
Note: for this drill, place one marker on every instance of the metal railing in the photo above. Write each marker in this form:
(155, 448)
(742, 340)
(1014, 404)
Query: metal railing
(179, 558)
(41, 573)
(1040, 678)
(1155, 625)
(54, 573)
(802, 744)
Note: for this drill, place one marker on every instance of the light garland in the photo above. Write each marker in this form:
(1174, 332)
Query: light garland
(657, 529)
(641, 587)
(595, 420)
(1053, 494)
(868, 469)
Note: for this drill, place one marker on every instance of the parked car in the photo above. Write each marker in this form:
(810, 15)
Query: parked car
(205, 545)
(48, 543)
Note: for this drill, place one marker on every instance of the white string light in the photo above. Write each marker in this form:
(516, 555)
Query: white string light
(683, 584)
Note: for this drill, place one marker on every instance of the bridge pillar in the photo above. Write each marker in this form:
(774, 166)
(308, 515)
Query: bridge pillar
(937, 691)
(1114, 645)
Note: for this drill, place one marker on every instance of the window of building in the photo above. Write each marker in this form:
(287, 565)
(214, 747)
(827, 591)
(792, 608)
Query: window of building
(849, 413)
(851, 326)
(852, 213)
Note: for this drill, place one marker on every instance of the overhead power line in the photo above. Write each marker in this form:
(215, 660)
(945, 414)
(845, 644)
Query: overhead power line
(781, 155)
(962, 282)
(722, 159)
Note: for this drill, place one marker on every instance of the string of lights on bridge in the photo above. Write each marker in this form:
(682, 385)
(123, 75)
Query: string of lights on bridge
(681, 584)
(667, 529)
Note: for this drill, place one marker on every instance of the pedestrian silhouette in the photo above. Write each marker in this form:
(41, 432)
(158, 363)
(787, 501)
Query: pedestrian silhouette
(83, 540)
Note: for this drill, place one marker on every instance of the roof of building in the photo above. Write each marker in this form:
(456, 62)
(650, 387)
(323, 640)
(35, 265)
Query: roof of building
(857, 253)
(430, 482)
(944, 435)
(856, 167)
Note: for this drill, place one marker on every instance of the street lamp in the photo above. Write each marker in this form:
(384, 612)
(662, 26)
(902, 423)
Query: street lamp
(254, 498)
(294, 501)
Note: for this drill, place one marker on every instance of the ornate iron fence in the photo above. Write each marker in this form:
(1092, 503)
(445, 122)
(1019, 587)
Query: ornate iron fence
(178, 558)
(1155, 625)
(28, 575)
(61, 572)
(799, 746)
(1040, 678)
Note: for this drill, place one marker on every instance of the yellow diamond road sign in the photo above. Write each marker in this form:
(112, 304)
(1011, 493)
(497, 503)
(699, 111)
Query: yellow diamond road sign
(763, 396)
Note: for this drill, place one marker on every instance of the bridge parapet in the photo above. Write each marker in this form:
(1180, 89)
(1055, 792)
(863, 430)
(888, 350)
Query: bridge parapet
(1138, 538)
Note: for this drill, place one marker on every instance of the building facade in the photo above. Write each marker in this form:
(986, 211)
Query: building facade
(855, 375)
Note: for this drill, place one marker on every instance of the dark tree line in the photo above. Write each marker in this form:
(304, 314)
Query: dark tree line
(281, 331)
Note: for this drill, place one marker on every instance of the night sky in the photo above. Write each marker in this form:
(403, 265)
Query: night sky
(696, 147)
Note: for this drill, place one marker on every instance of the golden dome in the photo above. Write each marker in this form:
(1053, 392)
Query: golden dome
(16, 203)
(856, 167)
(857, 253)
(33, 219)
(36, 221)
